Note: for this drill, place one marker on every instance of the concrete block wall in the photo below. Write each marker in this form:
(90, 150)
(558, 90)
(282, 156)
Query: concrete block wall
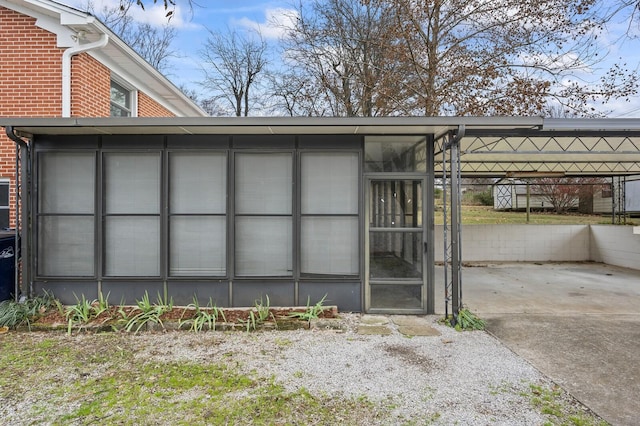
(521, 243)
(615, 245)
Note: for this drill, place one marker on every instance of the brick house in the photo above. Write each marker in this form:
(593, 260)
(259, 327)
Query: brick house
(60, 62)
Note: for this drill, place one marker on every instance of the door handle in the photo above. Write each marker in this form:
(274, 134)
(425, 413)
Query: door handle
(425, 247)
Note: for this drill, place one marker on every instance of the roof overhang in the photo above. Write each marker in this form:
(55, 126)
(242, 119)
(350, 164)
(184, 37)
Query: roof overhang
(74, 28)
(436, 126)
(490, 146)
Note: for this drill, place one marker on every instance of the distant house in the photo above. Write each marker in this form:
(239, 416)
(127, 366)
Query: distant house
(511, 194)
(632, 196)
(603, 199)
(60, 62)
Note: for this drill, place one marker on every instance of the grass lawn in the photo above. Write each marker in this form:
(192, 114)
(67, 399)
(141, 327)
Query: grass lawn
(476, 215)
(178, 378)
(103, 379)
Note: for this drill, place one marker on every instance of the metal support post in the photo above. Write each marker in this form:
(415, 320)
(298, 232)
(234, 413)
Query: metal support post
(456, 296)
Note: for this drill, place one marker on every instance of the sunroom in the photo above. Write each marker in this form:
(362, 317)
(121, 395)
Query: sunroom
(237, 209)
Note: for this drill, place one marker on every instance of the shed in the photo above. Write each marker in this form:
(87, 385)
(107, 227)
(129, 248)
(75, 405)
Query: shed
(511, 194)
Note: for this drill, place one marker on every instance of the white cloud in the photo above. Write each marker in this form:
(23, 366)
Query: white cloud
(276, 22)
(563, 62)
(153, 14)
(621, 108)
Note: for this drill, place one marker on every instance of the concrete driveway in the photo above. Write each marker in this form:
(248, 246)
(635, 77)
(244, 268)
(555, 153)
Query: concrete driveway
(578, 323)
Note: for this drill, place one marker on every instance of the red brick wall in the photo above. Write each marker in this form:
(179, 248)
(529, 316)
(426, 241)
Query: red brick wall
(31, 71)
(30, 80)
(31, 83)
(147, 107)
(90, 83)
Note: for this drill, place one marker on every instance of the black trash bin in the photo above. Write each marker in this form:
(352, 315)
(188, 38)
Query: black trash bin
(7, 264)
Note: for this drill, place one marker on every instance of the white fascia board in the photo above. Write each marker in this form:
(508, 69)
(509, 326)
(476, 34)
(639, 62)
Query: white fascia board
(51, 17)
(137, 72)
(137, 76)
(65, 22)
(72, 19)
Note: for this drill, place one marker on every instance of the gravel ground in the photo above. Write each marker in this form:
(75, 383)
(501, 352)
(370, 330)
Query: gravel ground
(457, 378)
(465, 378)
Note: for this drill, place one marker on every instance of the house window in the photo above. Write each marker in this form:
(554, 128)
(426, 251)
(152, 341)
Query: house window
(263, 214)
(66, 214)
(606, 191)
(329, 214)
(132, 214)
(120, 101)
(197, 213)
(4, 203)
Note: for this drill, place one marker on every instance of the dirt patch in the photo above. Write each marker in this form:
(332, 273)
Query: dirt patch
(410, 356)
(115, 317)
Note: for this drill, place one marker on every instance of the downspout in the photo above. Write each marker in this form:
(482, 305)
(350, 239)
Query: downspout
(66, 69)
(22, 217)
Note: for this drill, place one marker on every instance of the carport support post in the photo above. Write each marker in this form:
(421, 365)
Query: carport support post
(456, 301)
(528, 201)
(430, 204)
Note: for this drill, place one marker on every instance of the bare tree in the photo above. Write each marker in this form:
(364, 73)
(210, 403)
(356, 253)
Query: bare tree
(342, 55)
(152, 43)
(191, 93)
(622, 11)
(505, 57)
(232, 66)
(452, 57)
(568, 192)
(169, 5)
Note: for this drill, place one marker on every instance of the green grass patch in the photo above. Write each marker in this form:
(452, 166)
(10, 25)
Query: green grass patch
(99, 379)
(554, 404)
(482, 215)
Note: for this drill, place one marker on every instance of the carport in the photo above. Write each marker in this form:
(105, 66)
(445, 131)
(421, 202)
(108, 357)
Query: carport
(395, 162)
(578, 323)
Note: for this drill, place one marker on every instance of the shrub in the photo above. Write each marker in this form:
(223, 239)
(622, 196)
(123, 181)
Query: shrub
(484, 198)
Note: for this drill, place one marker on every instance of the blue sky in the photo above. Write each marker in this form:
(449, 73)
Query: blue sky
(192, 26)
(251, 14)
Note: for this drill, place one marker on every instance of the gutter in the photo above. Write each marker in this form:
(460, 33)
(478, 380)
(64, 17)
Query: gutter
(22, 254)
(66, 70)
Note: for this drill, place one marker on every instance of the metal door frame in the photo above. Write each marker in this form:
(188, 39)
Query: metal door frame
(426, 240)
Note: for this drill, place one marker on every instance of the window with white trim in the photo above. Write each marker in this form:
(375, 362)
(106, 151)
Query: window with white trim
(121, 100)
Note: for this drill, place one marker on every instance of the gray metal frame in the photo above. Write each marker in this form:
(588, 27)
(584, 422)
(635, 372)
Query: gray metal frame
(452, 229)
(492, 146)
(427, 219)
(130, 286)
